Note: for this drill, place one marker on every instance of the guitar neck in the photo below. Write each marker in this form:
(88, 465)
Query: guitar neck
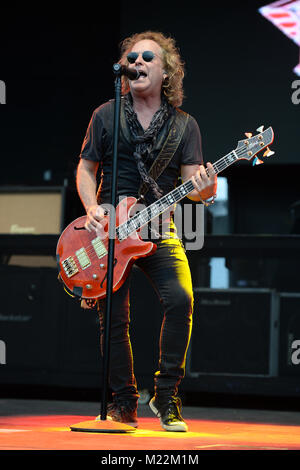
(143, 217)
(225, 161)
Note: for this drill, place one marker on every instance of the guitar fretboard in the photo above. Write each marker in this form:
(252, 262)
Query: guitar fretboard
(161, 205)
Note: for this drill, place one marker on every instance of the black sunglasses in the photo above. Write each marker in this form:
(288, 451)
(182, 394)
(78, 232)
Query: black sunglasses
(147, 56)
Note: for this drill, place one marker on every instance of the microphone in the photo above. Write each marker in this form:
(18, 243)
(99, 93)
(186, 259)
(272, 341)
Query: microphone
(132, 74)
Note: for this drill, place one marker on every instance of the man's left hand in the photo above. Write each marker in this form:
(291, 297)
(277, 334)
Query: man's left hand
(205, 181)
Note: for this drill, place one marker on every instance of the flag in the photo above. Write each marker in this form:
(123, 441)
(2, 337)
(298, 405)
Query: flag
(285, 15)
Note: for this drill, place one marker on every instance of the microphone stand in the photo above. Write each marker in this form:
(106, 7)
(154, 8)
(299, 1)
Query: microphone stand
(111, 241)
(103, 425)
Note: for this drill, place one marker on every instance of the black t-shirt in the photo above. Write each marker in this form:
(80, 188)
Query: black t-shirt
(98, 146)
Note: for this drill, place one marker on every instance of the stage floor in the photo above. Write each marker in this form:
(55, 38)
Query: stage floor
(45, 425)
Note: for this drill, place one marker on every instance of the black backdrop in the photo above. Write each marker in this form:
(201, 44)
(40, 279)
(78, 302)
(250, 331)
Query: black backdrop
(57, 66)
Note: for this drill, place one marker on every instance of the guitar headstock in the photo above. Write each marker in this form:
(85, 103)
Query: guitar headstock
(248, 148)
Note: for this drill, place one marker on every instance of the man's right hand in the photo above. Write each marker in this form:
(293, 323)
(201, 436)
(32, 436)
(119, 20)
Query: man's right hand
(95, 214)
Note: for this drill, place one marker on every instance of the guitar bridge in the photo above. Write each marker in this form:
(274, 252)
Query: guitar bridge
(99, 247)
(70, 266)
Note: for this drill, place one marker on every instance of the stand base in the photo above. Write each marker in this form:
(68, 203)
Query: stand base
(102, 426)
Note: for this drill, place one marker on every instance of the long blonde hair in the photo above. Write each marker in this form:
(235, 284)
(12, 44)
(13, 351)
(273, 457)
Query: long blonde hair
(172, 87)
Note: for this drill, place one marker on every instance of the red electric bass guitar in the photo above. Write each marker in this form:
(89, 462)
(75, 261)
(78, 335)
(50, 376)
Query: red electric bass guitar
(82, 256)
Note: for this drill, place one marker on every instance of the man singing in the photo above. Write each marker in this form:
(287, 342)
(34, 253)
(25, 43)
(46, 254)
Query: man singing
(149, 110)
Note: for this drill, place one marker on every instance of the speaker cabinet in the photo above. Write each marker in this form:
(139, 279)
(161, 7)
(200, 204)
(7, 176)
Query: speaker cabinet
(289, 342)
(30, 311)
(81, 353)
(235, 332)
(48, 337)
(32, 210)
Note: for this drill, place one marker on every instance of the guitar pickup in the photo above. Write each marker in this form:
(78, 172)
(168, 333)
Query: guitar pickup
(83, 258)
(70, 266)
(99, 247)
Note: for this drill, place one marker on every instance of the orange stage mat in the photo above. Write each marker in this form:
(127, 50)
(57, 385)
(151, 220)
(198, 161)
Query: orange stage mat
(52, 432)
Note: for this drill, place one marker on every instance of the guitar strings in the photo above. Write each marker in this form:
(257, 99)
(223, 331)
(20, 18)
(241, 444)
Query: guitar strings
(174, 193)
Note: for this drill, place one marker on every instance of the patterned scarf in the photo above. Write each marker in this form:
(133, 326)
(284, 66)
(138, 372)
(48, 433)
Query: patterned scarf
(144, 143)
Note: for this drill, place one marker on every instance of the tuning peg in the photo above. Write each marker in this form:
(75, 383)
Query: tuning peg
(248, 135)
(260, 129)
(268, 152)
(257, 161)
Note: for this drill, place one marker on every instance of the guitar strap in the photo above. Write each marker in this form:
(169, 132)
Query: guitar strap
(169, 148)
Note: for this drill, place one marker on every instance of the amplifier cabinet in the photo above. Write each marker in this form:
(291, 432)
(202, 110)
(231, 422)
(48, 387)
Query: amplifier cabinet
(235, 331)
(32, 210)
(48, 338)
(30, 323)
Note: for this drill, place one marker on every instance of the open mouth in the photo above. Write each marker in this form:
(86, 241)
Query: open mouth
(142, 74)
